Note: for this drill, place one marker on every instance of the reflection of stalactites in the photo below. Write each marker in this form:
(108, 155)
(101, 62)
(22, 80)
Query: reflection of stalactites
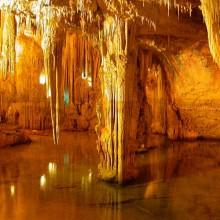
(8, 33)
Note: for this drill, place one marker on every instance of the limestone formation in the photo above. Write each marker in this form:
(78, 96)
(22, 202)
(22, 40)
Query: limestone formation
(113, 67)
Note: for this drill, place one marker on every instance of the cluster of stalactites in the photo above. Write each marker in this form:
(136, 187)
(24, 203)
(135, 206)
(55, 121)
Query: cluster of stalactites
(211, 14)
(113, 38)
(127, 10)
(66, 60)
(185, 7)
(7, 43)
(80, 62)
(181, 8)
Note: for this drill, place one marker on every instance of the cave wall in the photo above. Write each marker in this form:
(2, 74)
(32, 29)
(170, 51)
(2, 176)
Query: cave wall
(183, 103)
(197, 91)
(24, 101)
(80, 64)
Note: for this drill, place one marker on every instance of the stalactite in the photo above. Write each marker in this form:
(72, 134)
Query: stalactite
(81, 60)
(211, 14)
(8, 42)
(1, 29)
(52, 47)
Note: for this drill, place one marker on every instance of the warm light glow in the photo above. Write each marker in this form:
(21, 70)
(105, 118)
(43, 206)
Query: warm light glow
(90, 84)
(12, 190)
(49, 93)
(18, 49)
(90, 176)
(5, 3)
(90, 81)
(43, 181)
(52, 168)
(84, 75)
(42, 79)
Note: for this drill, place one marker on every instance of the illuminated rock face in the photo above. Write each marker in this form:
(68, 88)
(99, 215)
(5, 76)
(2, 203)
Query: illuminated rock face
(27, 97)
(80, 66)
(26, 104)
(182, 104)
(196, 92)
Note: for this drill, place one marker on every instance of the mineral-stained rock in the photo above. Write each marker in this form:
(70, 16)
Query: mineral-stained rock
(82, 123)
(93, 124)
(11, 136)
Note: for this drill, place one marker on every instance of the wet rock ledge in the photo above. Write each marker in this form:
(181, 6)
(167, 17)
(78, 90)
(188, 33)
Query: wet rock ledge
(12, 135)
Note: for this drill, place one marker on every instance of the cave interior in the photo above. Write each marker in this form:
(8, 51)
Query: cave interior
(126, 91)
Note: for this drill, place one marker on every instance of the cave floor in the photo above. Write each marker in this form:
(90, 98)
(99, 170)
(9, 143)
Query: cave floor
(42, 181)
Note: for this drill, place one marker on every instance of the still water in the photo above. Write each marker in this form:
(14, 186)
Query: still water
(178, 181)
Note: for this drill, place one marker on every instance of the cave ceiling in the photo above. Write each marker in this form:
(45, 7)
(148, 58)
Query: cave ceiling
(177, 18)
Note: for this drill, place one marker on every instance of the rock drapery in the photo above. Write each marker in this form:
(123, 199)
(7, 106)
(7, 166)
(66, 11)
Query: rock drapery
(115, 108)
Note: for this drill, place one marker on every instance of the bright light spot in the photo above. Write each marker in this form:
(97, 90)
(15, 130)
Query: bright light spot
(84, 75)
(47, 2)
(43, 181)
(90, 84)
(12, 190)
(5, 3)
(52, 167)
(42, 79)
(48, 93)
(90, 81)
(18, 49)
(90, 176)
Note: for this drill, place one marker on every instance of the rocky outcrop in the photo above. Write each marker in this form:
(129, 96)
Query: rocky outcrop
(11, 136)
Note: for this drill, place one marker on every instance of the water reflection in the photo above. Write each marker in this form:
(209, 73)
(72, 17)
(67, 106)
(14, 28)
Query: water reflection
(52, 168)
(60, 182)
(66, 159)
(12, 190)
(43, 182)
(178, 159)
